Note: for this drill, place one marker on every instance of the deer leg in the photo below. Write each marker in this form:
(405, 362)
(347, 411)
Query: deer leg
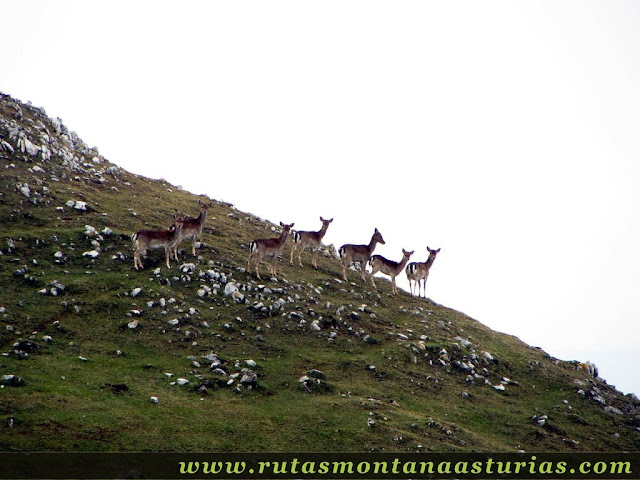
(249, 261)
(258, 260)
(314, 258)
(300, 250)
(373, 272)
(344, 268)
(293, 252)
(167, 253)
(193, 250)
(394, 290)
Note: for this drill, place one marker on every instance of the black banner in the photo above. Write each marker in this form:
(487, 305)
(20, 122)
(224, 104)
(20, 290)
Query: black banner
(319, 465)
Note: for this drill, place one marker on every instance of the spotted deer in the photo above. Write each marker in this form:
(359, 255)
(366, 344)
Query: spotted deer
(303, 239)
(192, 227)
(388, 267)
(359, 254)
(269, 247)
(417, 271)
(144, 240)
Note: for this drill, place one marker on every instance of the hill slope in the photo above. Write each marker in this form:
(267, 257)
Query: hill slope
(308, 363)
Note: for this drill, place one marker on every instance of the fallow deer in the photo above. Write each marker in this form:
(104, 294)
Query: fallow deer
(192, 227)
(304, 239)
(359, 254)
(388, 267)
(417, 271)
(144, 240)
(269, 247)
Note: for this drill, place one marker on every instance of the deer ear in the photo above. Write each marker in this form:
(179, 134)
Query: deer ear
(438, 249)
(281, 224)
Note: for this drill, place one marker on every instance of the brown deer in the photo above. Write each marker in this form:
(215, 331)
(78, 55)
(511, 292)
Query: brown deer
(417, 271)
(304, 239)
(359, 254)
(144, 240)
(388, 267)
(192, 228)
(269, 247)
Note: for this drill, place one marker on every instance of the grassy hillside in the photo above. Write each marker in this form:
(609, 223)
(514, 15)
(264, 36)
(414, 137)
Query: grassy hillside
(83, 350)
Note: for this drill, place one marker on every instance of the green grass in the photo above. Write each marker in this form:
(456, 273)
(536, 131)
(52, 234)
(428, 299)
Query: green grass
(67, 404)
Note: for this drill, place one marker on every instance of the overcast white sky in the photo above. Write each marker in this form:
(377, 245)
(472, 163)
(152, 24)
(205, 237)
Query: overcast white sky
(505, 133)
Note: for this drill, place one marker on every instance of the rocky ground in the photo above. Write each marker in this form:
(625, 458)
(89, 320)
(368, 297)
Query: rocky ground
(92, 348)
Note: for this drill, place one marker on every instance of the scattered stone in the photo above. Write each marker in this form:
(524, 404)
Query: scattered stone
(488, 356)
(611, 409)
(11, 381)
(540, 420)
(316, 374)
(188, 267)
(78, 205)
(230, 289)
(249, 378)
(238, 297)
(463, 341)
(24, 189)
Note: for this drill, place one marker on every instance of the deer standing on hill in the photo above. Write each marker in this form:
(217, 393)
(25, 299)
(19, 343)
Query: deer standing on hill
(388, 267)
(304, 239)
(417, 271)
(144, 240)
(359, 254)
(269, 247)
(192, 228)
